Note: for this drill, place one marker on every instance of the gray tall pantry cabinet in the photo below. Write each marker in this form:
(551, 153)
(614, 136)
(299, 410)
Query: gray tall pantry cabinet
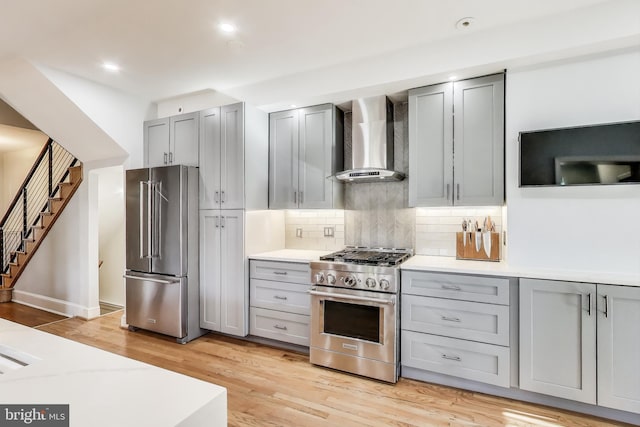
(233, 179)
(305, 150)
(171, 141)
(456, 141)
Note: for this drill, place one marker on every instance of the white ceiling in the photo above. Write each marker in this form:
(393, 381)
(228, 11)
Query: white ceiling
(168, 48)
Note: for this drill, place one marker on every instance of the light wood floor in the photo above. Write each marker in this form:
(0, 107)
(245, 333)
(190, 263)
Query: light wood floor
(273, 387)
(26, 315)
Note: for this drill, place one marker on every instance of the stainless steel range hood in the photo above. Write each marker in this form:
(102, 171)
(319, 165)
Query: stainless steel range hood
(372, 142)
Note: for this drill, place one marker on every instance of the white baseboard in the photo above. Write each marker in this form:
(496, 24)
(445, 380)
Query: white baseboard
(53, 305)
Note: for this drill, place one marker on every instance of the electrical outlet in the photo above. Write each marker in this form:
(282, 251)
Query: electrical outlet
(298, 232)
(328, 232)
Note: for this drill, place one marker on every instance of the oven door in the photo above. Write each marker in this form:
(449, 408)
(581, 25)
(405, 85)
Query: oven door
(355, 323)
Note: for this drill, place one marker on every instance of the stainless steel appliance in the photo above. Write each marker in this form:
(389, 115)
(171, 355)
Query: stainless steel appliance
(161, 286)
(354, 311)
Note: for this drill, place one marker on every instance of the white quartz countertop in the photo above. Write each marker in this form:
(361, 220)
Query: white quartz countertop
(453, 265)
(290, 255)
(101, 388)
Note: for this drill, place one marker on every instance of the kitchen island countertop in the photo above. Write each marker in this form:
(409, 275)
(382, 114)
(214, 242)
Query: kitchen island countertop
(501, 268)
(101, 388)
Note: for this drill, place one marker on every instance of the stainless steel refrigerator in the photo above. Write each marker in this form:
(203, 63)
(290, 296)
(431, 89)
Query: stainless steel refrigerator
(161, 278)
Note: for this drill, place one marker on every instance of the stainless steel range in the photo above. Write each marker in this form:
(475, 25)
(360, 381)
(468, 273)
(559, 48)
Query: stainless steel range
(354, 311)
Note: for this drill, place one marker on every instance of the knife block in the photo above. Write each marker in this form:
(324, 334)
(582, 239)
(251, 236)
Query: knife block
(468, 250)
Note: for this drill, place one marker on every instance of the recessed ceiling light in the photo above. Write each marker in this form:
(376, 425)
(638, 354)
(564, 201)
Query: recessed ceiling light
(465, 23)
(110, 66)
(452, 78)
(227, 28)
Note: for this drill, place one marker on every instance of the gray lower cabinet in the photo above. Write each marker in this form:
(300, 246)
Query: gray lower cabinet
(171, 141)
(457, 162)
(279, 301)
(578, 341)
(457, 325)
(223, 285)
(305, 150)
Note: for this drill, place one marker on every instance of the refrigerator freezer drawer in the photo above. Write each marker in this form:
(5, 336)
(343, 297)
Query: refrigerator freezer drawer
(157, 303)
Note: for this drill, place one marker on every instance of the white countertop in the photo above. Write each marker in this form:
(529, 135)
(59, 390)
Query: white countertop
(101, 388)
(290, 255)
(453, 265)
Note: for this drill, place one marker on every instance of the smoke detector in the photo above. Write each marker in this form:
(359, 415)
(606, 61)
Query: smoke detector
(465, 23)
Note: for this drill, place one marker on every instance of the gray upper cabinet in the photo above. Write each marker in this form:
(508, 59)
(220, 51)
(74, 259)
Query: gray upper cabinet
(306, 149)
(233, 149)
(171, 141)
(456, 141)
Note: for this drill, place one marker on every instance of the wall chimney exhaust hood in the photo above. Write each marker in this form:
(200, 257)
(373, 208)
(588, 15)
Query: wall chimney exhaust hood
(372, 142)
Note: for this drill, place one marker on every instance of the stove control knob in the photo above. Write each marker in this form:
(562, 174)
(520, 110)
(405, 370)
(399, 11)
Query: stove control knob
(319, 277)
(331, 279)
(384, 284)
(370, 282)
(350, 281)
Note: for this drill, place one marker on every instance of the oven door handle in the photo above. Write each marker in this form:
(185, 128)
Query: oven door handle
(390, 301)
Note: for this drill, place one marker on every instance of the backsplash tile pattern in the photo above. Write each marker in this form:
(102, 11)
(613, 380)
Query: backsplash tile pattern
(312, 223)
(436, 227)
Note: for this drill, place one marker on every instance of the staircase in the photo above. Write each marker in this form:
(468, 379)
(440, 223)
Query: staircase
(50, 184)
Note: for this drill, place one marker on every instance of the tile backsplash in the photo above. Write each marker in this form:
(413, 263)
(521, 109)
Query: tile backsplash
(312, 224)
(436, 227)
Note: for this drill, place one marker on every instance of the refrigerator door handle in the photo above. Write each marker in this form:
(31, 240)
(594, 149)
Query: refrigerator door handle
(147, 279)
(150, 218)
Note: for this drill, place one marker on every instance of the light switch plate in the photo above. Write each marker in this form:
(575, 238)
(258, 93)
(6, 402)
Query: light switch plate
(298, 232)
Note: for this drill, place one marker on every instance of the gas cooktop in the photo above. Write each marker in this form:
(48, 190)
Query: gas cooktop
(383, 257)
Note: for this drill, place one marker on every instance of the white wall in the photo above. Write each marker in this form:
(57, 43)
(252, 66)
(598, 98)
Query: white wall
(111, 233)
(193, 102)
(14, 166)
(588, 229)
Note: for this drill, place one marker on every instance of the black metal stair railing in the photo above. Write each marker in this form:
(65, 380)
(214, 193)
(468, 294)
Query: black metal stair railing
(50, 168)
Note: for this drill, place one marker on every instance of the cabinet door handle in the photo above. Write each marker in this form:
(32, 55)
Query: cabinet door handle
(295, 197)
(589, 304)
(222, 222)
(301, 197)
(216, 197)
(217, 221)
(451, 287)
(222, 197)
(282, 328)
(170, 157)
(281, 273)
(447, 196)
(458, 191)
(606, 306)
(280, 298)
(454, 358)
(450, 319)
(165, 158)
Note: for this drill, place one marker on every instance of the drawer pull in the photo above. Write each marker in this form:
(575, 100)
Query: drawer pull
(280, 298)
(451, 287)
(450, 319)
(454, 358)
(282, 328)
(280, 273)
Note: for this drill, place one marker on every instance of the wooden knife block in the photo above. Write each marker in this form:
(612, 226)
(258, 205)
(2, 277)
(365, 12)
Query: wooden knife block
(469, 251)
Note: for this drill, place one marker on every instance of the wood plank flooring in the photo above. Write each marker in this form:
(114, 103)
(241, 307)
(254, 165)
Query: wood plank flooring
(26, 315)
(274, 387)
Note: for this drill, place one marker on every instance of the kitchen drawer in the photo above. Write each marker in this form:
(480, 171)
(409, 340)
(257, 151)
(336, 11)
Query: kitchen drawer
(281, 271)
(277, 325)
(281, 296)
(494, 290)
(488, 323)
(459, 358)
